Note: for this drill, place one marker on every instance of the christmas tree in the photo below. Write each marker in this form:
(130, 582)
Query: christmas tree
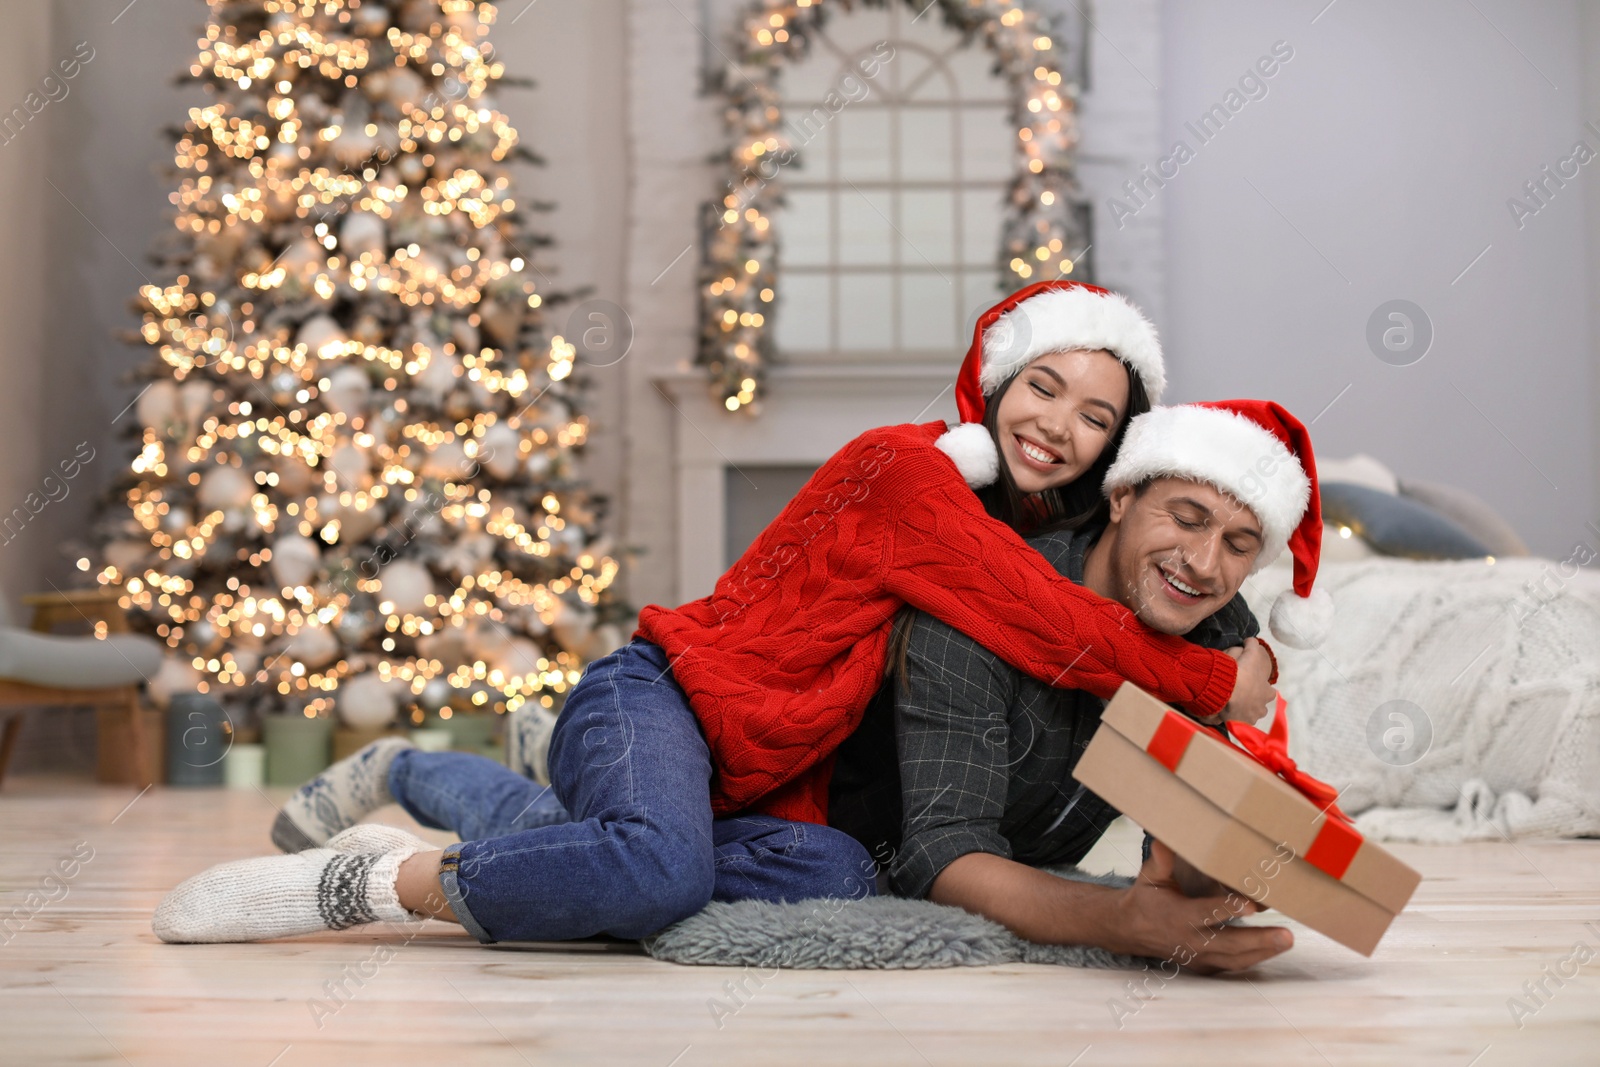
(354, 483)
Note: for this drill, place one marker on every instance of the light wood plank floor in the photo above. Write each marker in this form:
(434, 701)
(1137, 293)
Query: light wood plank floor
(85, 981)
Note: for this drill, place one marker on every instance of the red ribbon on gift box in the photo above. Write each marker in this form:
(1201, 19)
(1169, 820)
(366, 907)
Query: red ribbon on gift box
(1336, 843)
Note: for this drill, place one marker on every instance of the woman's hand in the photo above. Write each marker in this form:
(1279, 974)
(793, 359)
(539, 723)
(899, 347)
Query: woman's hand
(1253, 695)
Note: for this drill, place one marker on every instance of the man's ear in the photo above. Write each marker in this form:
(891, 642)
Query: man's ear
(1121, 499)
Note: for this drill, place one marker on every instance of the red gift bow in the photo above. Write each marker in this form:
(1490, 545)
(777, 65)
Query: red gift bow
(1336, 842)
(1271, 750)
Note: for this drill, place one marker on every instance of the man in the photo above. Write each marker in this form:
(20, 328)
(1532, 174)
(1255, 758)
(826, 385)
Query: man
(1199, 498)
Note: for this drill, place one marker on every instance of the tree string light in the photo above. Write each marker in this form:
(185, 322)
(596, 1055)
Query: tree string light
(356, 440)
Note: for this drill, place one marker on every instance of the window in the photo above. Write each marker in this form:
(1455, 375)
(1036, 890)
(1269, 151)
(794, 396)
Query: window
(890, 236)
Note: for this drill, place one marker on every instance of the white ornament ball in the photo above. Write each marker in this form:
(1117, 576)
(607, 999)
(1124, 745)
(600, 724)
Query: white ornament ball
(195, 399)
(371, 20)
(158, 405)
(247, 660)
(356, 524)
(498, 451)
(435, 694)
(351, 466)
(349, 391)
(519, 658)
(439, 376)
(354, 144)
(295, 476)
(466, 336)
(305, 256)
(487, 641)
(314, 646)
(173, 677)
(363, 232)
(447, 462)
(448, 646)
(366, 702)
(405, 585)
(322, 337)
(406, 87)
(225, 488)
(204, 635)
(294, 560)
(539, 465)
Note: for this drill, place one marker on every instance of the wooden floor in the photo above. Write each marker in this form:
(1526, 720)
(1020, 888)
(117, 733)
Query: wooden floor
(85, 981)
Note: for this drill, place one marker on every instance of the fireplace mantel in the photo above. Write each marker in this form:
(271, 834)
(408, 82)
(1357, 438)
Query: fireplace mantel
(808, 413)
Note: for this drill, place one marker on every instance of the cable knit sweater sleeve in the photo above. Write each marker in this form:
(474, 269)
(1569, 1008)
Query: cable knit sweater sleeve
(947, 556)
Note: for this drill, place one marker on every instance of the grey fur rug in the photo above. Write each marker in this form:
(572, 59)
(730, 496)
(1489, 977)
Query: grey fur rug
(877, 933)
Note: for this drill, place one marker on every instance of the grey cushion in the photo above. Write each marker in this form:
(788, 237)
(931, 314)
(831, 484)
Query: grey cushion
(1397, 525)
(1359, 469)
(77, 662)
(1475, 516)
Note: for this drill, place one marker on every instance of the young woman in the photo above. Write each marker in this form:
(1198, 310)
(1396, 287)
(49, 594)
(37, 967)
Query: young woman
(693, 763)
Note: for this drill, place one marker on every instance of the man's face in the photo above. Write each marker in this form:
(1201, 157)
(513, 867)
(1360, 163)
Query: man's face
(1178, 551)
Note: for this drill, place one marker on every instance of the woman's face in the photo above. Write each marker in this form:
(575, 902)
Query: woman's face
(1059, 415)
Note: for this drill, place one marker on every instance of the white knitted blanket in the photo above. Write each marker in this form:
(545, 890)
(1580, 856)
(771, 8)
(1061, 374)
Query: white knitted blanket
(1453, 701)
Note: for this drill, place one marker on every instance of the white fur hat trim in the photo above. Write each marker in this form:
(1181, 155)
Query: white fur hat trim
(1235, 454)
(1061, 320)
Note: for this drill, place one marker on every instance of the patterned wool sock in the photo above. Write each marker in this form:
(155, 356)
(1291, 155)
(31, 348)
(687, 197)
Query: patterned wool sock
(284, 896)
(337, 798)
(528, 731)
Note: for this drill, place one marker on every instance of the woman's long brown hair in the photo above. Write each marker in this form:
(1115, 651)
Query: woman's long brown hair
(1069, 507)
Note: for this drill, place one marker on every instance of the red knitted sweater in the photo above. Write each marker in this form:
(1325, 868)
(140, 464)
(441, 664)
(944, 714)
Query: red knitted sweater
(780, 660)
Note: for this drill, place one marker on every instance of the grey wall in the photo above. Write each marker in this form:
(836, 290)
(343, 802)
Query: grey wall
(1377, 167)
(24, 60)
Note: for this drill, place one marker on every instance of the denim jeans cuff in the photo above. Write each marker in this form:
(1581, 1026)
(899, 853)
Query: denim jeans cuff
(449, 879)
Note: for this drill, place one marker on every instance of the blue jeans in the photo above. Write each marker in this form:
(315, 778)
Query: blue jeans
(623, 842)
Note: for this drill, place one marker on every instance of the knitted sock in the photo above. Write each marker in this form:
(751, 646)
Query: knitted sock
(338, 797)
(528, 731)
(284, 896)
(376, 838)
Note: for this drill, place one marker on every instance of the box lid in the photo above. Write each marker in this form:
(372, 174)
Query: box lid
(1235, 782)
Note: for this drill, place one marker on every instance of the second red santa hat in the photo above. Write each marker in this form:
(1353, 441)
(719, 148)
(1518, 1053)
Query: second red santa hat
(1259, 454)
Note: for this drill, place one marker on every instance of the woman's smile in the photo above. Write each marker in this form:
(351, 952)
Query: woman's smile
(1036, 454)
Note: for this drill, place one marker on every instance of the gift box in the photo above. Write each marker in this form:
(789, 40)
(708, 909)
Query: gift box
(1239, 810)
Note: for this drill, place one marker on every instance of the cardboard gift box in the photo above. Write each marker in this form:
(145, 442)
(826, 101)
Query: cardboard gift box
(1235, 816)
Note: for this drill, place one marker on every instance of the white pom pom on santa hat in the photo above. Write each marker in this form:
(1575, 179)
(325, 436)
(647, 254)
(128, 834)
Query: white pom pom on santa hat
(1259, 454)
(1302, 621)
(1050, 316)
(973, 451)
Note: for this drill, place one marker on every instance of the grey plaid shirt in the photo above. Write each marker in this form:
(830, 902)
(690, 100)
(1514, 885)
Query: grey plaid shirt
(984, 752)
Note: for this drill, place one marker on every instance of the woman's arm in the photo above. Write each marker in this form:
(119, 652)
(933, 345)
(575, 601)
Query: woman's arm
(947, 556)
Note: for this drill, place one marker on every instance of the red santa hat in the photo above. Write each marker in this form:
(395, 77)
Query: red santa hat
(1260, 455)
(1053, 316)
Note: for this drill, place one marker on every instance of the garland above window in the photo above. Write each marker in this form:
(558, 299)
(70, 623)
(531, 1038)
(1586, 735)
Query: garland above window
(1046, 220)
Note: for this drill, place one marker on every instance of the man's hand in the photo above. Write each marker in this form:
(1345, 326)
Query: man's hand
(1253, 696)
(1153, 917)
